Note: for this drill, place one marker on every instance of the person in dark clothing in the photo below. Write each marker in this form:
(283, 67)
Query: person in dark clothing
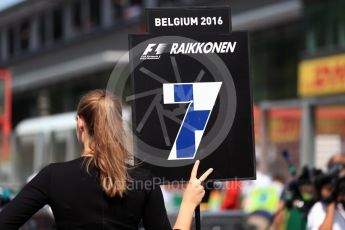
(100, 190)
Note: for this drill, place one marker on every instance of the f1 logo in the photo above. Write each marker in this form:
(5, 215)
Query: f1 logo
(159, 50)
(201, 98)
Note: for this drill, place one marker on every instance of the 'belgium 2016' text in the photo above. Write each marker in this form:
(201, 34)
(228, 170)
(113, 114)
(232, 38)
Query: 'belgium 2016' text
(188, 21)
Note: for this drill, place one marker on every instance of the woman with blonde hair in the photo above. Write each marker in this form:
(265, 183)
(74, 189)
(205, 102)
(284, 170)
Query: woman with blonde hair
(100, 190)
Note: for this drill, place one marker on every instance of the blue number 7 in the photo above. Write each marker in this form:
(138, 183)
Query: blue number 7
(201, 98)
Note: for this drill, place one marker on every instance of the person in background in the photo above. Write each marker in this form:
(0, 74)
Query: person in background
(296, 200)
(260, 199)
(329, 213)
(278, 181)
(337, 160)
(262, 180)
(100, 190)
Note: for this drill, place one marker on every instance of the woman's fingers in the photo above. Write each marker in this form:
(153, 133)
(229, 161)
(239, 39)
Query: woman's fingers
(194, 173)
(195, 191)
(205, 175)
(195, 170)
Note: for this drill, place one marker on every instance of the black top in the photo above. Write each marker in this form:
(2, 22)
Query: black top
(78, 201)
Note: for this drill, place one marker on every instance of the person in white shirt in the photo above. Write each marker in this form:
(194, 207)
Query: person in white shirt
(323, 216)
(329, 213)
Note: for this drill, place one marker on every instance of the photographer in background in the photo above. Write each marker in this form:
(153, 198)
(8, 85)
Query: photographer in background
(329, 213)
(297, 199)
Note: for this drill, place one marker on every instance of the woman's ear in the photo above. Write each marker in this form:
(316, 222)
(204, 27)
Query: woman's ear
(80, 123)
(80, 128)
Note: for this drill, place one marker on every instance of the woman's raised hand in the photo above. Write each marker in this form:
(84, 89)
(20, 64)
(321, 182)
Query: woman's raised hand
(195, 191)
(192, 196)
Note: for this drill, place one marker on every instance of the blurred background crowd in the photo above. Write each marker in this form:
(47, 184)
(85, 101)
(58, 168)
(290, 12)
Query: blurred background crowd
(53, 51)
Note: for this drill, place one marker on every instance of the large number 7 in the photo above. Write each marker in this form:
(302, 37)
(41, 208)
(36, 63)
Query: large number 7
(201, 98)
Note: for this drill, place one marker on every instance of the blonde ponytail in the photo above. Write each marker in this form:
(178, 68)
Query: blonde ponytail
(102, 113)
